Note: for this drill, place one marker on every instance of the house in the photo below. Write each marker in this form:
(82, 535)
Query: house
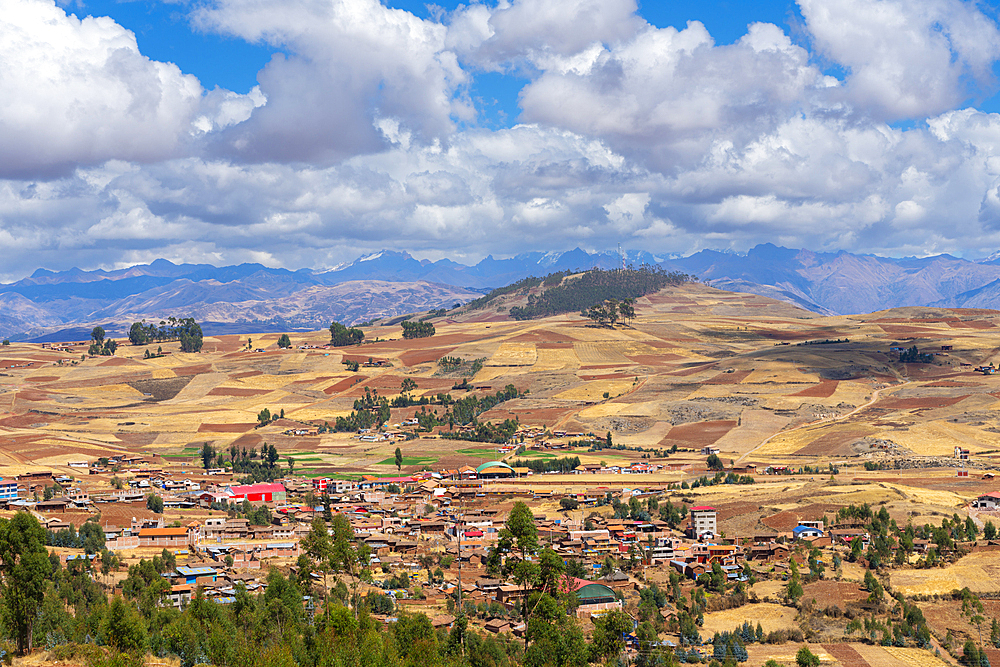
(961, 453)
(8, 489)
(801, 532)
(256, 493)
(987, 501)
(703, 521)
(190, 575)
(165, 537)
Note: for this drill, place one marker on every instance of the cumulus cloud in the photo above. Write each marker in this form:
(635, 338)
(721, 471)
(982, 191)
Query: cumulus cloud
(906, 58)
(349, 61)
(78, 91)
(361, 135)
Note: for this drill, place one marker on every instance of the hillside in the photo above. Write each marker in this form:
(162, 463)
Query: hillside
(252, 297)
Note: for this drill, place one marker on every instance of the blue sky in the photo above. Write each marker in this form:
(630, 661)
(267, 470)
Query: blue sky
(164, 32)
(303, 133)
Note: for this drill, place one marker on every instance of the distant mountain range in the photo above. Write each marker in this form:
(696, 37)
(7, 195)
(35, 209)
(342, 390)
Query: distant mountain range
(252, 297)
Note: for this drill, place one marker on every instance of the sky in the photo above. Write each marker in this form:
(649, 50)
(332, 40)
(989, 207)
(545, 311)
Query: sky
(304, 133)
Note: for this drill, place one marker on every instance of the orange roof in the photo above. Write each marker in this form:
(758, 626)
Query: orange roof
(163, 532)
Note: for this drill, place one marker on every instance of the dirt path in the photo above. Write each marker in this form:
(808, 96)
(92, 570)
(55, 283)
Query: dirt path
(875, 396)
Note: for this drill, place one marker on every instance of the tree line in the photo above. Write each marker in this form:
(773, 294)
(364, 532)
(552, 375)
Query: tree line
(596, 286)
(185, 330)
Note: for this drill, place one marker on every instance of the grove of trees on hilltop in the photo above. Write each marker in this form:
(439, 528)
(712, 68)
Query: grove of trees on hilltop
(341, 335)
(417, 329)
(185, 330)
(596, 286)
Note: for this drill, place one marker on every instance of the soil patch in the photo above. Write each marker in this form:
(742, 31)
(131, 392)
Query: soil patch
(921, 403)
(162, 389)
(824, 389)
(424, 356)
(697, 434)
(237, 391)
(785, 521)
(196, 369)
(728, 378)
(343, 385)
(225, 428)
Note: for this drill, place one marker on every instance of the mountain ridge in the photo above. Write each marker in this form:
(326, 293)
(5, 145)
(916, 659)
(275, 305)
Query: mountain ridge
(829, 282)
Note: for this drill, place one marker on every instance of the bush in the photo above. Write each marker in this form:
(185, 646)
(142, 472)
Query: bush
(806, 658)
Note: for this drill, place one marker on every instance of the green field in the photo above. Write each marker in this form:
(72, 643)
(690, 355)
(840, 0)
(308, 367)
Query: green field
(408, 460)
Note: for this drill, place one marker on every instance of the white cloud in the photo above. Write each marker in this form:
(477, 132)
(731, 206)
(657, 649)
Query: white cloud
(79, 91)
(907, 58)
(349, 61)
(361, 135)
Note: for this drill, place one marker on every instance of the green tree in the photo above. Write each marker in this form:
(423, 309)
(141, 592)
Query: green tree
(264, 417)
(714, 462)
(97, 335)
(207, 454)
(989, 530)
(806, 658)
(123, 629)
(407, 385)
(399, 459)
(291, 464)
(341, 335)
(284, 342)
(417, 329)
(608, 638)
(25, 570)
(190, 335)
(316, 544)
(138, 334)
(154, 503)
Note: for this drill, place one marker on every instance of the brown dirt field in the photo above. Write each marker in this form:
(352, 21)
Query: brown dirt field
(389, 384)
(196, 369)
(728, 378)
(245, 374)
(542, 336)
(311, 381)
(248, 440)
(237, 391)
(902, 330)
(975, 324)
(136, 439)
(551, 346)
(834, 444)
(612, 376)
(917, 403)
(950, 383)
(785, 521)
(227, 343)
(225, 428)
(831, 593)
(697, 434)
(343, 385)
(653, 359)
(436, 341)
(43, 378)
(424, 356)
(846, 654)
(824, 389)
(119, 361)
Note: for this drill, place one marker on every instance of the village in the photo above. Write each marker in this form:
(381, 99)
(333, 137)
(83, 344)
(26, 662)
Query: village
(427, 537)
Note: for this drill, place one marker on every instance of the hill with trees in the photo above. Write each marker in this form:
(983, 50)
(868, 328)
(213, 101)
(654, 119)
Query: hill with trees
(563, 292)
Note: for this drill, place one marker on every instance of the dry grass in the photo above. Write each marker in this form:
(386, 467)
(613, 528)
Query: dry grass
(770, 616)
(514, 354)
(980, 572)
(595, 390)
